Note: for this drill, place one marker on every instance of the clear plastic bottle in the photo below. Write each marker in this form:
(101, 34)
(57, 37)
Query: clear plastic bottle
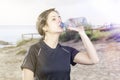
(73, 22)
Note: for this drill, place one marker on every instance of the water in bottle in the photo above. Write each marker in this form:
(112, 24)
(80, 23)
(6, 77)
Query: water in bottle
(74, 22)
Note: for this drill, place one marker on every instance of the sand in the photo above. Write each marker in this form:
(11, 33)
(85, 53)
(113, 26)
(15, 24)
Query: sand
(107, 69)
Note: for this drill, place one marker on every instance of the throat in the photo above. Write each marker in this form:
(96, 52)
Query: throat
(51, 40)
(51, 43)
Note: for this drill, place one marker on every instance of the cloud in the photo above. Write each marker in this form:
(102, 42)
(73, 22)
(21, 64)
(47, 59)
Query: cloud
(63, 2)
(26, 11)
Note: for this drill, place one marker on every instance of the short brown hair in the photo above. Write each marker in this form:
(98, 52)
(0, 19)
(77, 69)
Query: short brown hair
(42, 19)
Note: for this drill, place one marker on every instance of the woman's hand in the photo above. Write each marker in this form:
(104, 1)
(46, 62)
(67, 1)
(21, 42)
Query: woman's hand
(79, 29)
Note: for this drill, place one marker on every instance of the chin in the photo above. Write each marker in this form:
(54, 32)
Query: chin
(60, 31)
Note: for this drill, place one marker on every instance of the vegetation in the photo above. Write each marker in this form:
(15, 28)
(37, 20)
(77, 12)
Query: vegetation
(69, 35)
(97, 35)
(92, 34)
(23, 42)
(4, 43)
(23, 51)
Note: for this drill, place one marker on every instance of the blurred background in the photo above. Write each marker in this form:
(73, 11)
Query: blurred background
(18, 32)
(19, 16)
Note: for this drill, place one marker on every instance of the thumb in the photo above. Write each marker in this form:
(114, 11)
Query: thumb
(71, 28)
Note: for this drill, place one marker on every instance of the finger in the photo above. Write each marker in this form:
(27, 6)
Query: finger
(71, 28)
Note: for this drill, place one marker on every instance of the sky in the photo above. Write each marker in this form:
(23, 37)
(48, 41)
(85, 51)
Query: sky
(25, 12)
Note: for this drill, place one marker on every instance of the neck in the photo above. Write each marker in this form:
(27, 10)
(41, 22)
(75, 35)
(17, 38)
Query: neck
(52, 40)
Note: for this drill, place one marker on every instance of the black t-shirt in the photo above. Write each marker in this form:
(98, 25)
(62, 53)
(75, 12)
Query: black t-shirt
(48, 63)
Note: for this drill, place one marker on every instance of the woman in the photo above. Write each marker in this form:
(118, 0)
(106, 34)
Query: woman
(47, 59)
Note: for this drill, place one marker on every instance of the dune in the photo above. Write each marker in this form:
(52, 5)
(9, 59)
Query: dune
(106, 69)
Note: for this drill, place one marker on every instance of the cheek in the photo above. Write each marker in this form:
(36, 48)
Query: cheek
(52, 27)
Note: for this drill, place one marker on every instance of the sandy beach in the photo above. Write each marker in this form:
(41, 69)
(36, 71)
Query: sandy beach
(107, 69)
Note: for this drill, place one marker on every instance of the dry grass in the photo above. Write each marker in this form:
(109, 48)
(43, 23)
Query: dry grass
(107, 69)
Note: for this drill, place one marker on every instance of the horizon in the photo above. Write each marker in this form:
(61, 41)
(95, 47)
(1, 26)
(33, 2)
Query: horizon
(13, 34)
(25, 13)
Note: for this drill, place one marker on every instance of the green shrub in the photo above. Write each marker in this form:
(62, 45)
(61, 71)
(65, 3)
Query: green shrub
(62, 37)
(72, 35)
(68, 35)
(97, 35)
(22, 42)
(89, 33)
(23, 51)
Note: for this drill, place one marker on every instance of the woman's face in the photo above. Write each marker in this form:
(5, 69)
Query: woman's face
(53, 23)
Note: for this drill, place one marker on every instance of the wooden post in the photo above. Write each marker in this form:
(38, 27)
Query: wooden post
(22, 36)
(31, 35)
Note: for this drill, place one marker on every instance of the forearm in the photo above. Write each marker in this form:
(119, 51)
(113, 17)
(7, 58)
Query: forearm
(27, 74)
(91, 51)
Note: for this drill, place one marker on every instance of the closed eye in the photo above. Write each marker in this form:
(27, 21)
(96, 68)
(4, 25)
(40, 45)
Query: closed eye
(59, 16)
(54, 19)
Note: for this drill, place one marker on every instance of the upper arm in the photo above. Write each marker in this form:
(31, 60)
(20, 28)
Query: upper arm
(27, 74)
(30, 60)
(82, 58)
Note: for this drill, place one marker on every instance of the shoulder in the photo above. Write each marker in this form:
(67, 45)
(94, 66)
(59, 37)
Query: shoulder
(37, 45)
(34, 48)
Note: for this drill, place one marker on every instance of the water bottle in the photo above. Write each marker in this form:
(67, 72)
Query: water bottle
(73, 22)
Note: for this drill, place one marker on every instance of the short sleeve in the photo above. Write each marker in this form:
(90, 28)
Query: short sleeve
(29, 61)
(73, 52)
